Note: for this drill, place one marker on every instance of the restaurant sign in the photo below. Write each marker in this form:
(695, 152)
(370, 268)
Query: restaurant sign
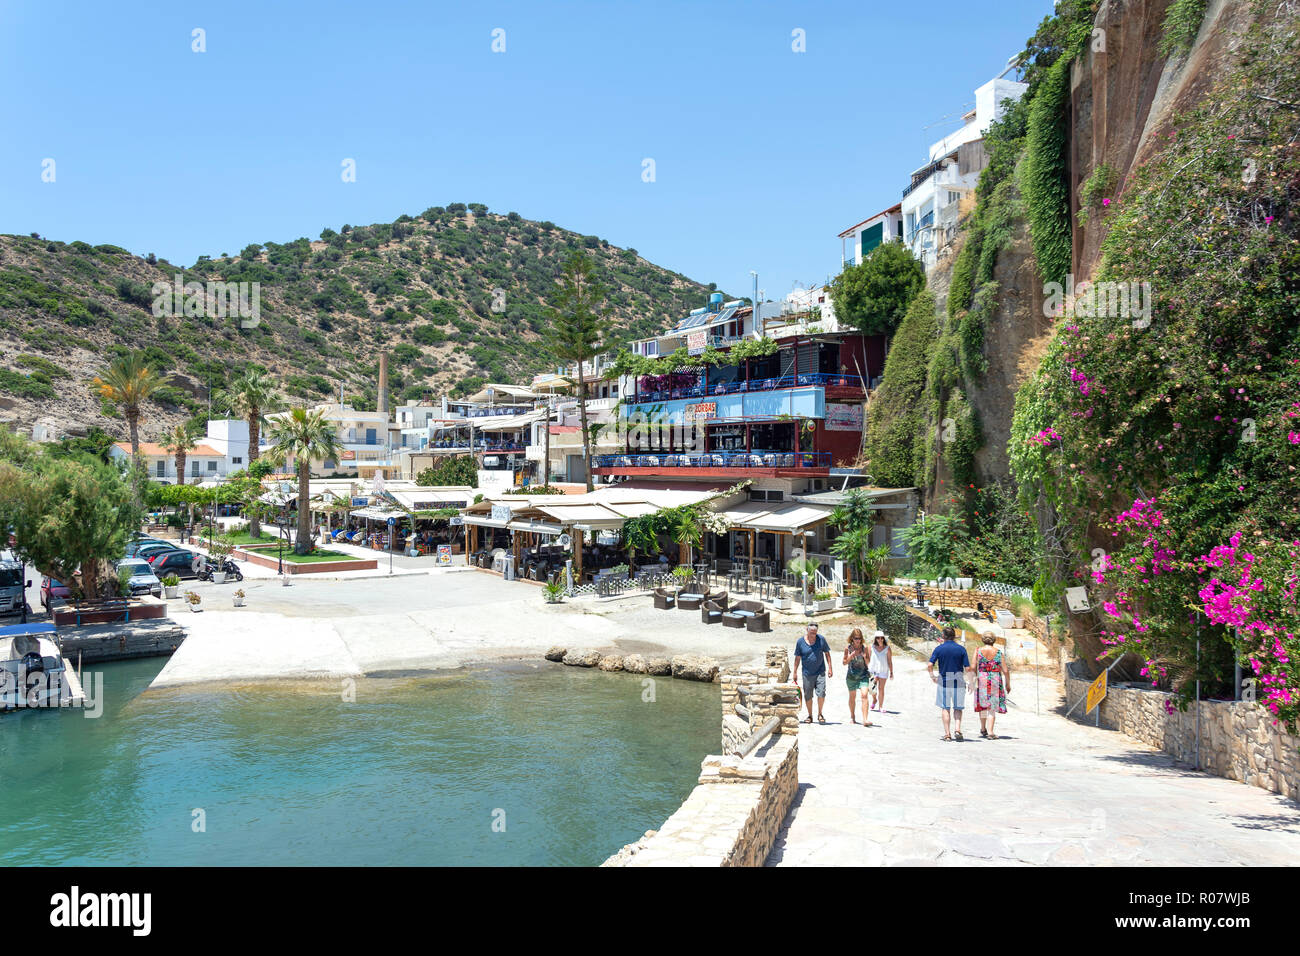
(360, 501)
(501, 513)
(696, 342)
(349, 455)
(699, 411)
(843, 418)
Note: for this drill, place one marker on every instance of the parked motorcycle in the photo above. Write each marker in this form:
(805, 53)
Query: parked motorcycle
(228, 566)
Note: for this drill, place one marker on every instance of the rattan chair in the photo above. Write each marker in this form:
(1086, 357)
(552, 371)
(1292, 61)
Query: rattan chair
(710, 613)
(665, 601)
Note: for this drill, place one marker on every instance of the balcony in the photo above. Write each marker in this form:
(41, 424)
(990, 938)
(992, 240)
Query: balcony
(756, 385)
(738, 460)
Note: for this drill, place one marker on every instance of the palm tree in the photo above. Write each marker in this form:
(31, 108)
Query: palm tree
(128, 382)
(177, 443)
(577, 327)
(304, 436)
(251, 396)
(684, 528)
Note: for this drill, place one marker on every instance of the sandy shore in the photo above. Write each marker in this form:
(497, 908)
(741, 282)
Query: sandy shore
(328, 630)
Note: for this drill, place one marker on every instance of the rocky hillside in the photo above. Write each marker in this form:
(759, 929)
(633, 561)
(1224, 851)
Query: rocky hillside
(422, 288)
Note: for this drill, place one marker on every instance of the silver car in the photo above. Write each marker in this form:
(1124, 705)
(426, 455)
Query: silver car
(143, 580)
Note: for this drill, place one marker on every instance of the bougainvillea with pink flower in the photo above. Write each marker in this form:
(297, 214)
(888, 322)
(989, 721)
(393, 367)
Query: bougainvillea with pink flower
(1170, 486)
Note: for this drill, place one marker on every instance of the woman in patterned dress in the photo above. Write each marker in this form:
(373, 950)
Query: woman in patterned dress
(992, 682)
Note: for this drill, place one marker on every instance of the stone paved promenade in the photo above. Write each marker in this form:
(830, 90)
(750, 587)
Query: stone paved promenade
(1051, 791)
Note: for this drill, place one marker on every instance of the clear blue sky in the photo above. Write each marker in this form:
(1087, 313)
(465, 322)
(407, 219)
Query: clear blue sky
(762, 155)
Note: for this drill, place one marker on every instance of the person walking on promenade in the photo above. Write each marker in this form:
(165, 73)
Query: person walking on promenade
(882, 668)
(951, 680)
(814, 654)
(992, 683)
(857, 678)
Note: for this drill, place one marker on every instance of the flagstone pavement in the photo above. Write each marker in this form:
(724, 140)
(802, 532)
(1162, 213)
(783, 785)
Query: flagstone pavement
(1050, 791)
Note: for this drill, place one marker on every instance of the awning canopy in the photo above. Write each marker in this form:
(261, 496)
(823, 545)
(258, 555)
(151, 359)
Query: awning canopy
(378, 514)
(495, 393)
(536, 527)
(484, 521)
(431, 498)
(790, 519)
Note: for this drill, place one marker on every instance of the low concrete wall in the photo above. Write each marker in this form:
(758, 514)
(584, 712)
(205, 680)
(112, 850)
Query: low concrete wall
(315, 567)
(94, 644)
(1238, 740)
(733, 815)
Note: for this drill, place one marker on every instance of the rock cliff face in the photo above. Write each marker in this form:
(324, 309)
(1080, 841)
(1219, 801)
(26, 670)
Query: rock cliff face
(1125, 97)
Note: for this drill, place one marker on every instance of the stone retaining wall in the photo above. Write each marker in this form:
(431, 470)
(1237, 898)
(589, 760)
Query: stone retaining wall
(1238, 740)
(945, 597)
(733, 815)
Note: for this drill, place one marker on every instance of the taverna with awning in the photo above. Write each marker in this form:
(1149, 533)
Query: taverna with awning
(758, 529)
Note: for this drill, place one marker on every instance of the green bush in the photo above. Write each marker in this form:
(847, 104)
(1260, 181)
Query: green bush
(1045, 174)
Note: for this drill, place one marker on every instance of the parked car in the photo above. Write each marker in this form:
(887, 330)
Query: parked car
(133, 548)
(52, 589)
(151, 551)
(143, 579)
(179, 563)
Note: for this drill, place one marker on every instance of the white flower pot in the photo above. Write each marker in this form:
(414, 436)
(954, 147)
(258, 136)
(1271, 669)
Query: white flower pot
(781, 604)
(218, 577)
(239, 602)
(195, 609)
(171, 591)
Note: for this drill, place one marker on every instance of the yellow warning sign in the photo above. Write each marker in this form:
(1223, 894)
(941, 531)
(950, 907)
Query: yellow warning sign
(1097, 691)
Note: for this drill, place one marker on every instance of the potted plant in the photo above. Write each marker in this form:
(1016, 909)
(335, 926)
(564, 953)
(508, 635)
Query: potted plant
(193, 600)
(171, 584)
(824, 601)
(553, 590)
(219, 550)
(239, 598)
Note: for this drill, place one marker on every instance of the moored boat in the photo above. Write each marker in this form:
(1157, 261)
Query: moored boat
(33, 673)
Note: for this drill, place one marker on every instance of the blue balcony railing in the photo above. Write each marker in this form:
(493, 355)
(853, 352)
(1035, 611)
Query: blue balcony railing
(754, 385)
(718, 459)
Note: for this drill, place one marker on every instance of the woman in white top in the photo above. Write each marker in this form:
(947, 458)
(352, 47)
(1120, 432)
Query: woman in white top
(881, 667)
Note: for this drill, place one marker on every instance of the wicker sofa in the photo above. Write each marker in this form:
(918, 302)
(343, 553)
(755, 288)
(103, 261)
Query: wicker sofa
(689, 600)
(750, 615)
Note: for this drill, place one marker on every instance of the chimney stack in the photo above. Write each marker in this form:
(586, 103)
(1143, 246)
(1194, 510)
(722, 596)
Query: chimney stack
(383, 382)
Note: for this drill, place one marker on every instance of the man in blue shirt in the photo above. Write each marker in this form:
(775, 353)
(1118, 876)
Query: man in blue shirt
(814, 654)
(951, 680)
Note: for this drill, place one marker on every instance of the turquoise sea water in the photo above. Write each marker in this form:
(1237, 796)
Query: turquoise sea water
(416, 772)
